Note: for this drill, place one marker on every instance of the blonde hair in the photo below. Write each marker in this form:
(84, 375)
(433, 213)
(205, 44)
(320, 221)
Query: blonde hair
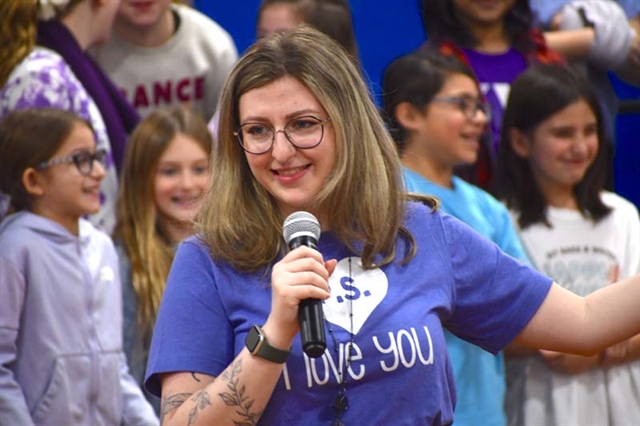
(18, 22)
(240, 222)
(138, 229)
(17, 34)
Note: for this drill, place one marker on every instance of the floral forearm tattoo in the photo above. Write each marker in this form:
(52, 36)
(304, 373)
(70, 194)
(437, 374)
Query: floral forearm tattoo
(200, 400)
(236, 396)
(172, 402)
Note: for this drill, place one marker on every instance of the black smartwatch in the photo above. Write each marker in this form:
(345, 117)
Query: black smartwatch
(258, 345)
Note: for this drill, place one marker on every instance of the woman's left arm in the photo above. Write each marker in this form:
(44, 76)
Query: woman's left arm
(566, 322)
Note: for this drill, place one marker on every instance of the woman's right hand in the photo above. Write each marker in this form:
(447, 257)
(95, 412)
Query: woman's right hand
(301, 274)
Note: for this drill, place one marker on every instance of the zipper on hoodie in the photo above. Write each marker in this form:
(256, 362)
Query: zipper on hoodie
(93, 334)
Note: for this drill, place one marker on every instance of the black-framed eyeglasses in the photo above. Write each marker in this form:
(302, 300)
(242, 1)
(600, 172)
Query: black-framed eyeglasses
(468, 106)
(83, 161)
(303, 132)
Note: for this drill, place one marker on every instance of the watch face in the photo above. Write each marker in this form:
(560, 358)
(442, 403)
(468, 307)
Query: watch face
(254, 339)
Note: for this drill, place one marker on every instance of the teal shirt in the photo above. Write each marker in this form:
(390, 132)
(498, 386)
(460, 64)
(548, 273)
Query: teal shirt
(479, 376)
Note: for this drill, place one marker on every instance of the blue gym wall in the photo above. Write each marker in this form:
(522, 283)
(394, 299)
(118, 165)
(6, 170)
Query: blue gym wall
(386, 29)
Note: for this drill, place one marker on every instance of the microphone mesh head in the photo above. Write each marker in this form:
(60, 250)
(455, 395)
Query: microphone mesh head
(300, 223)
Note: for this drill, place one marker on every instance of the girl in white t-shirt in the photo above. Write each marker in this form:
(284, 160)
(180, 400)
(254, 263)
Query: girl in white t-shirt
(551, 170)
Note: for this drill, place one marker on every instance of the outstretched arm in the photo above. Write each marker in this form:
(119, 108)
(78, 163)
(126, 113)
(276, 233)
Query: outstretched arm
(621, 353)
(569, 323)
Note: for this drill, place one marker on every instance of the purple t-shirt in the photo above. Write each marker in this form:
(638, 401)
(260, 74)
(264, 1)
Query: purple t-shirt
(400, 372)
(495, 72)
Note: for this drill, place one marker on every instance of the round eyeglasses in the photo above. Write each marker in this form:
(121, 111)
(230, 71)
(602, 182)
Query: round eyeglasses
(83, 161)
(302, 132)
(468, 106)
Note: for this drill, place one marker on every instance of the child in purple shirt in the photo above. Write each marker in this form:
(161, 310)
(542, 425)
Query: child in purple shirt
(498, 42)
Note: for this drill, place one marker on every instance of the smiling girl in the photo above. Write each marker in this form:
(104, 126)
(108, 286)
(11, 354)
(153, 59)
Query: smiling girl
(60, 310)
(550, 166)
(166, 171)
(497, 39)
(437, 116)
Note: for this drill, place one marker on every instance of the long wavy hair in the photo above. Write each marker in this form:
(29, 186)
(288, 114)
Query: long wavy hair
(29, 137)
(17, 34)
(538, 93)
(18, 22)
(138, 225)
(240, 221)
(441, 24)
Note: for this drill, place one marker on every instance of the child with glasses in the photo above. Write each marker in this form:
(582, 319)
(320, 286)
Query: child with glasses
(61, 306)
(438, 117)
(166, 171)
(551, 166)
(498, 42)
(44, 64)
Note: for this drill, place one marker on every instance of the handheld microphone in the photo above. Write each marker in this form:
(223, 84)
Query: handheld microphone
(303, 229)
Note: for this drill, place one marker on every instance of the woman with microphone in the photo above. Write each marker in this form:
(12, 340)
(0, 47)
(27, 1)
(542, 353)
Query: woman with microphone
(299, 132)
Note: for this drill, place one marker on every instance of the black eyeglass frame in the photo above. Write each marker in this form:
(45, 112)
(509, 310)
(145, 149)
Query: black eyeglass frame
(238, 133)
(463, 103)
(83, 160)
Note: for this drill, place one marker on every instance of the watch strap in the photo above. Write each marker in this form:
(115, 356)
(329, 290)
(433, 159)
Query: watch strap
(258, 345)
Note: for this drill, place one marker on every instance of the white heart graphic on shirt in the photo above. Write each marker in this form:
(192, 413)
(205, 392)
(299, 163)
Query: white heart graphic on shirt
(361, 292)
